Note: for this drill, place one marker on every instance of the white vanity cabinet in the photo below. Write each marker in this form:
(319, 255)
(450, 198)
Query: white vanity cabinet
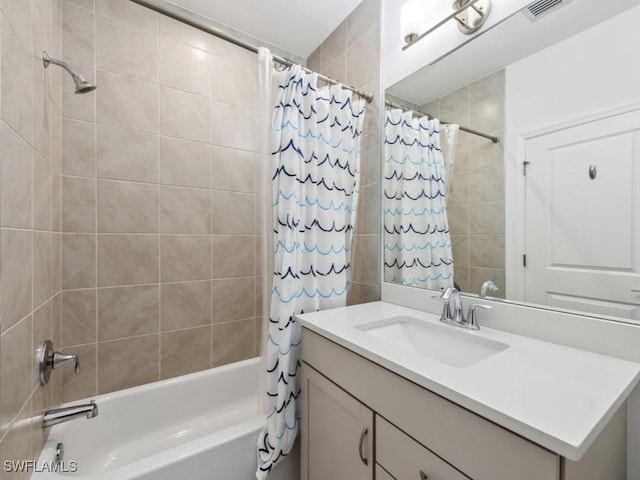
(419, 435)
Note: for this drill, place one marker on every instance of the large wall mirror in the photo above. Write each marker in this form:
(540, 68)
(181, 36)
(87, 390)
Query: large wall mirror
(549, 215)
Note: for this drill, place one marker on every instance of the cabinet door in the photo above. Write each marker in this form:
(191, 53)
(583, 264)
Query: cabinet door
(337, 432)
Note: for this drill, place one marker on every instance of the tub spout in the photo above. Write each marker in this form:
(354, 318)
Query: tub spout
(61, 415)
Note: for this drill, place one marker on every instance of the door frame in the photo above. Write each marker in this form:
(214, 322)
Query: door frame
(515, 196)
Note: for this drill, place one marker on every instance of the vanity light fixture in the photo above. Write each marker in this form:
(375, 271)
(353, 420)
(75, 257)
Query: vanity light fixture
(470, 15)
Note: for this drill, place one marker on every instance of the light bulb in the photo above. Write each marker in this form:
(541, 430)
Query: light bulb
(412, 20)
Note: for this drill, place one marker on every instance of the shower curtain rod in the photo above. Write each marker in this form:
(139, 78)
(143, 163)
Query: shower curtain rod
(464, 129)
(162, 7)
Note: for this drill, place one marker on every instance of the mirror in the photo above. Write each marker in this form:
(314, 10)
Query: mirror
(550, 214)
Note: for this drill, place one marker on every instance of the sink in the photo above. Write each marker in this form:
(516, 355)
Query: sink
(446, 344)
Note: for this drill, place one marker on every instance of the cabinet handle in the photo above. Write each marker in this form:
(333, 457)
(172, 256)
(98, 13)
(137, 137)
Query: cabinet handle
(423, 476)
(363, 435)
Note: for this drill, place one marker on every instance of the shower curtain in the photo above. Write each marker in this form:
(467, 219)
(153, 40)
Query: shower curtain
(314, 170)
(417, 250)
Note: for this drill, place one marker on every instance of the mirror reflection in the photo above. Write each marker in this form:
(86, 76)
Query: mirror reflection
(425, 171)
(549, 214)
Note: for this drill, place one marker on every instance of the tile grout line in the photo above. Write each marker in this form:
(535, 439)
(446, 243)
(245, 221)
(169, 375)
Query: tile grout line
(34, 154)
(159, 166)
(97, 198)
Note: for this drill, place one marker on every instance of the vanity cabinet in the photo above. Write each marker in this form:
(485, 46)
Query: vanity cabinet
(418, 434)
(338, 429)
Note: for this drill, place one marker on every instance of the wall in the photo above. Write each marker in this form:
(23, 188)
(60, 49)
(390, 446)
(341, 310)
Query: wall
(475, 206)
(351, 54)
(30, 221)
(159, 270)
(599, 71)
(598, 78)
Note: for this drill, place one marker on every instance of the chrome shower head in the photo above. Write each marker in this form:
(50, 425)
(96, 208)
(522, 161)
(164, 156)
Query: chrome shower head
(82, 85)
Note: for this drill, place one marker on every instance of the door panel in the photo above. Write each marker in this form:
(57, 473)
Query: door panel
(598, 209)
(337, 432)
(583, 217)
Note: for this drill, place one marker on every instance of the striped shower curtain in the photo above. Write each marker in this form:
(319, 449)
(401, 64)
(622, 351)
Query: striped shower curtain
(417, 250)
(315, 145)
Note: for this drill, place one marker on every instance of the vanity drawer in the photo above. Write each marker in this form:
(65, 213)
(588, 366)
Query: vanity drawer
(381, 474)
(405, 459)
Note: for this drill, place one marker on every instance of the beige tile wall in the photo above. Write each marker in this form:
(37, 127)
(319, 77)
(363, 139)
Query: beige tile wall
(476, 202)
(30, 167)
(351, 54)
(159, 270)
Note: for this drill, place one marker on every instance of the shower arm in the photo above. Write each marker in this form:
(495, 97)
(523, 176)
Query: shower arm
(82, 85)
(46, 60)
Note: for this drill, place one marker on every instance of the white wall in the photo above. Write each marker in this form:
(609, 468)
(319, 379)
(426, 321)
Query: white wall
(595, 71)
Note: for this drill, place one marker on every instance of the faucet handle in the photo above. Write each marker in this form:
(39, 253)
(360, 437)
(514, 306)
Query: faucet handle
(472, 316)
(48, 360)
(446, 315)
(59, 359)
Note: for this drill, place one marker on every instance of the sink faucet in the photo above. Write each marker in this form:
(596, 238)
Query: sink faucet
(61, 415)
(458, 318)
(488, 285)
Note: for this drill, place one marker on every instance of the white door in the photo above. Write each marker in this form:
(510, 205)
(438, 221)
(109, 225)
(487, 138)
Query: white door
(583, 217)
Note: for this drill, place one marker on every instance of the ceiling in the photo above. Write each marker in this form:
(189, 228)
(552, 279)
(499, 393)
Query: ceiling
(294, 26)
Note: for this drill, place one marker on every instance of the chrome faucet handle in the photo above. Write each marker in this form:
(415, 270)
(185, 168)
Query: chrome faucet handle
(472, 316)
(59, 359)
(446, 315)
(48, 360)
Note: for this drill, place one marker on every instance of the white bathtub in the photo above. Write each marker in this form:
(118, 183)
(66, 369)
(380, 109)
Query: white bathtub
(202, 426)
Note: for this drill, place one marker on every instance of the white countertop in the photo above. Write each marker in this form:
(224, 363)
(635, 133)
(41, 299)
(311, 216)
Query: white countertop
(556, 396)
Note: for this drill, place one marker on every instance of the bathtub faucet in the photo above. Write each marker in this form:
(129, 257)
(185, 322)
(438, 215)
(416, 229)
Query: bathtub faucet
(61, 415)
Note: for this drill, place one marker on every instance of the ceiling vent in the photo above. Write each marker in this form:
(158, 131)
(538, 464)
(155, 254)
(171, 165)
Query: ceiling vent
(536, 10)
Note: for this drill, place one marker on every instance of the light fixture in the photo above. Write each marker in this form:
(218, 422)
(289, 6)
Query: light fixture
(412, 20)
(470, 15)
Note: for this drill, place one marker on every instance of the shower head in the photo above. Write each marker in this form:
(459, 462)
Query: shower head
(82, 85)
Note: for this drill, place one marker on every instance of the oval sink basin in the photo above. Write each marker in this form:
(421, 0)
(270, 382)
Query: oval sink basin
(449, 345)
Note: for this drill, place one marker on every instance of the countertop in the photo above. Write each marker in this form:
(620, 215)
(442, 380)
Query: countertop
(558, 397)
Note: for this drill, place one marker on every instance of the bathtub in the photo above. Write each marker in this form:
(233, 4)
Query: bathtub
(201, 426)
